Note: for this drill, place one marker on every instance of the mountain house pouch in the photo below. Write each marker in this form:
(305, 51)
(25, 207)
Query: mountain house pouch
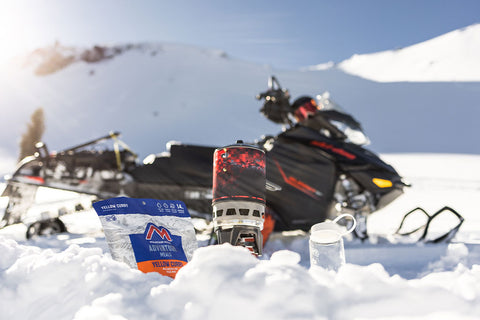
(147, 234)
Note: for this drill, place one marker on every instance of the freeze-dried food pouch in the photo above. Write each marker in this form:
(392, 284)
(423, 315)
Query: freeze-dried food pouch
(147, 234)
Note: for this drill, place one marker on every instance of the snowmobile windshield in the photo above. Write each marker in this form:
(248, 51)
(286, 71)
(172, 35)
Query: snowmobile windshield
(326, 103)
(342, 121)
(353, 134)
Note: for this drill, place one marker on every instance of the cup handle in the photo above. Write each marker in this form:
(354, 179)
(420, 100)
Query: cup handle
(345, 215)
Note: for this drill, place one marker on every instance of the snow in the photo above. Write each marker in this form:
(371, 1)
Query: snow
(449, 57)
(72, 275)
(144, 92)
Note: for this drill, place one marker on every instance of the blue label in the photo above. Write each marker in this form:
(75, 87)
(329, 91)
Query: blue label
(152, 207)
(157, 243)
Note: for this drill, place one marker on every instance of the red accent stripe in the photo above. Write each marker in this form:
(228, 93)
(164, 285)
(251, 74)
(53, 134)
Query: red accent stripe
(242, 197)
(297, 184)
(334, 149)
(37, 179)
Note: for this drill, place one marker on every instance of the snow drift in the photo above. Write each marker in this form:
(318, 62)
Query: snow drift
(72, 275)
(222, 282)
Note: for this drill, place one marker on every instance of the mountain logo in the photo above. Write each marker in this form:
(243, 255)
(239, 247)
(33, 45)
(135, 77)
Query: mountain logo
(162, 232)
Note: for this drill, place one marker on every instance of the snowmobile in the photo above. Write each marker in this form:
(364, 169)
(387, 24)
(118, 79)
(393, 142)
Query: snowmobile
(320, 165)
(316, 168)
(89, 169)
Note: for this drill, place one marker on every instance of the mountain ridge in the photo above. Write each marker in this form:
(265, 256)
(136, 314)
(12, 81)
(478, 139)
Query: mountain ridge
(50, 59)
(452, 56)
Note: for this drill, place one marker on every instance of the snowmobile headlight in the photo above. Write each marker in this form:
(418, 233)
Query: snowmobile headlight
(382, 183)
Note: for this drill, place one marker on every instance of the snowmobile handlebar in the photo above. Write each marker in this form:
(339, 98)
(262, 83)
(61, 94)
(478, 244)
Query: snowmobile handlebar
(272, 81)
(276, 105)
(274, 90)
(116, 147)
(111, 135)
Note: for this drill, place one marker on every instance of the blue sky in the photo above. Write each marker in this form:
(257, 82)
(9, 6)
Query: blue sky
(284, 34)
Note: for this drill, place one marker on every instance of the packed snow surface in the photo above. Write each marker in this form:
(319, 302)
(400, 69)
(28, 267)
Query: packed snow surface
(72, 275)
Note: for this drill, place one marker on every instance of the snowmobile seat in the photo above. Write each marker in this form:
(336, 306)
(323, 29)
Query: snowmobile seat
(186, 165)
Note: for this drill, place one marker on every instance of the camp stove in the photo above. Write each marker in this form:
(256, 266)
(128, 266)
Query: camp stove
(239, 195)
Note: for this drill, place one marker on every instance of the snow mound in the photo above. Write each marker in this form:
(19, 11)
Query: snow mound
(449, 57)
(73, 276)
(220, 281)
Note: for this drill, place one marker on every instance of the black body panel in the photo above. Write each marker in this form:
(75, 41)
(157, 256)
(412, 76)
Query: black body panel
(307, 178)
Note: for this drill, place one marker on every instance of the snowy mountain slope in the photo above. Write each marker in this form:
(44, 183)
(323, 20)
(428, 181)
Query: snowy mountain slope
(449, 57)
(154, 93)
(181, 93)
(72, 275)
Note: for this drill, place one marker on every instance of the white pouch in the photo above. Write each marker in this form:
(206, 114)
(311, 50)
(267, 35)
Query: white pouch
(147, 234)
